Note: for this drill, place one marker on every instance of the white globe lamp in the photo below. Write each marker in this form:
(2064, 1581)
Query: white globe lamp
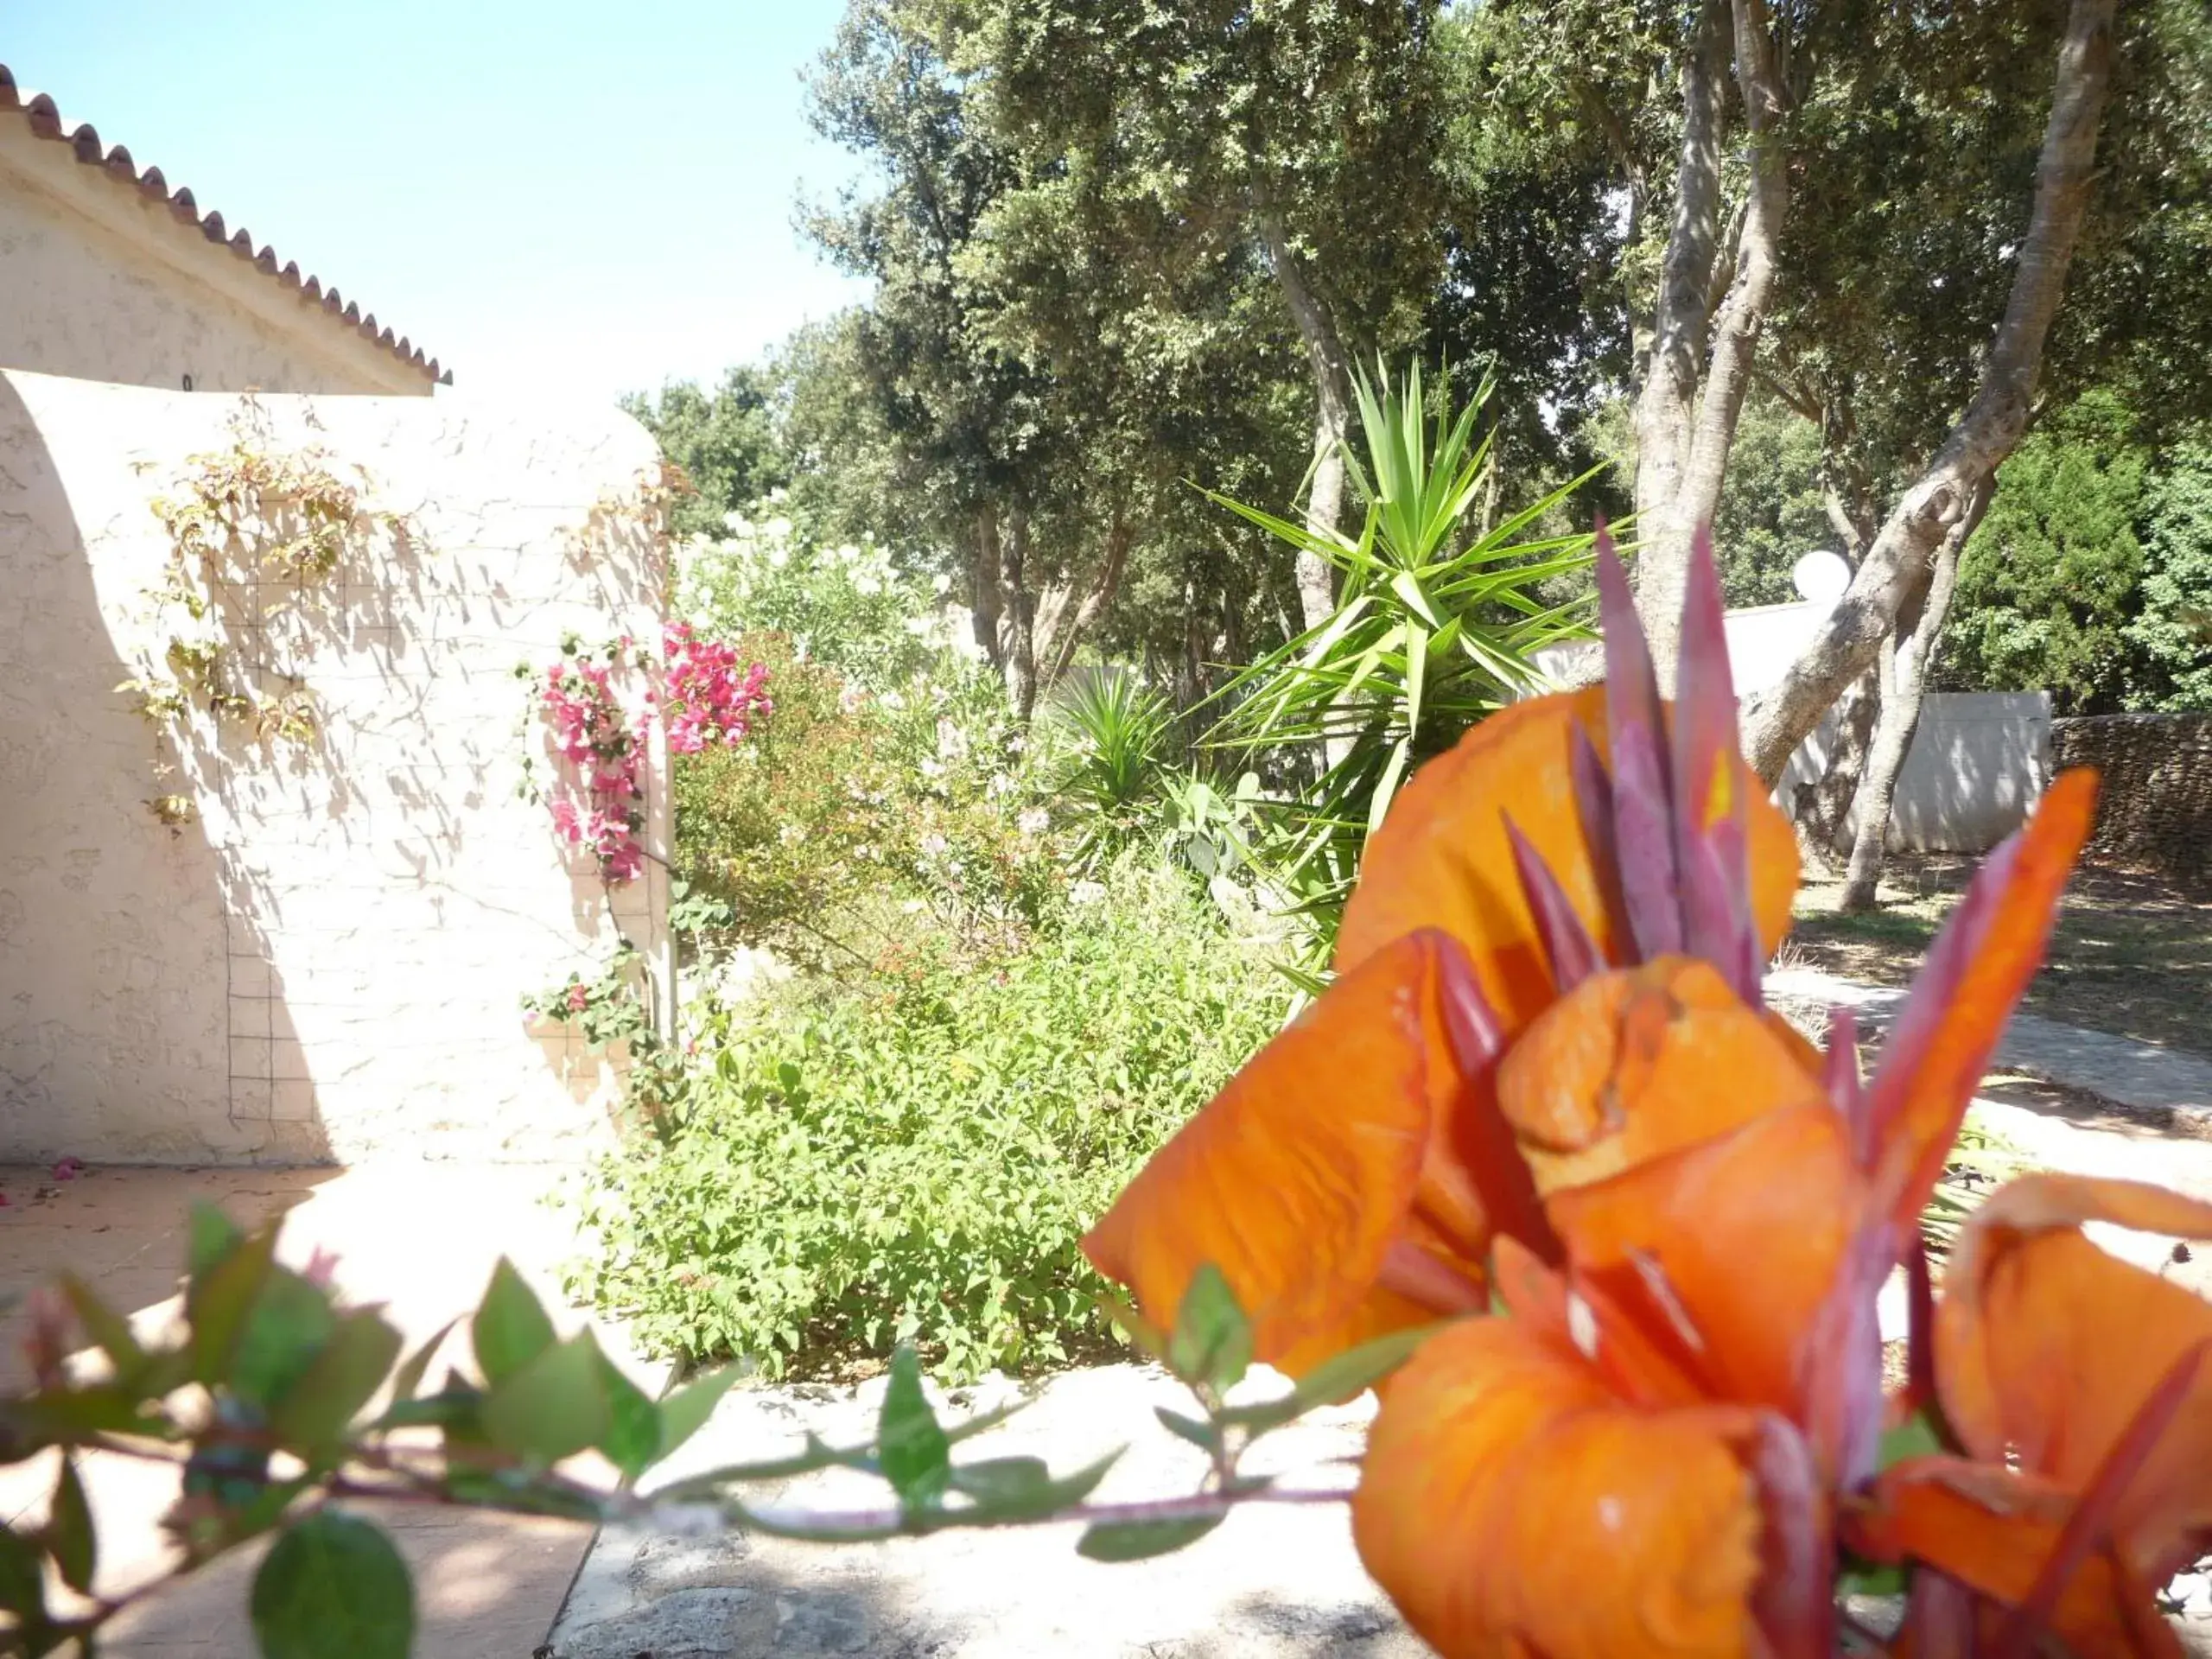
(1821, 576)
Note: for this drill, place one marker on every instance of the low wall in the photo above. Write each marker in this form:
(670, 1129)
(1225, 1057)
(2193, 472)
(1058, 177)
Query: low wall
(1979, 762)
(2156, 805)
(322, 954)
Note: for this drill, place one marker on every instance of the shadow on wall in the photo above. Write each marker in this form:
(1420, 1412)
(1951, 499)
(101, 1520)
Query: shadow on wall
(137, 1018)
(329, 961)
(1979, 762)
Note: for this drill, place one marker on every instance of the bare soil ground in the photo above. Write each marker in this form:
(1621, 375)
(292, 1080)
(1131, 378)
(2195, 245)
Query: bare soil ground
(2133, 954)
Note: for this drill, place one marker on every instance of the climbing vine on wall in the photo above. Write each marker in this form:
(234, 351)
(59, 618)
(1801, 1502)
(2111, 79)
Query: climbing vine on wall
(257, 538)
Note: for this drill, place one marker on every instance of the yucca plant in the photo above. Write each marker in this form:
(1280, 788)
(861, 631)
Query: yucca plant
(1437, 624)
(1117, 762)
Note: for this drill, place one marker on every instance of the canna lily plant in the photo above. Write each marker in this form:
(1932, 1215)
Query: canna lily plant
(1542, 1114)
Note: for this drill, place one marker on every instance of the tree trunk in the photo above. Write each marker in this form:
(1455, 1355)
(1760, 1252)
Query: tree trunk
(1069, 631)
(985, 577)
(1019, 627)
(1905, 684)
(1325, 352)
(1897, 565)
(1668, 393)
(1823, 808)
(1687, 415)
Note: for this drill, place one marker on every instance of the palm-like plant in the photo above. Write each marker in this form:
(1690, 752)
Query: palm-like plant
(1117, 758)
(1436, 626)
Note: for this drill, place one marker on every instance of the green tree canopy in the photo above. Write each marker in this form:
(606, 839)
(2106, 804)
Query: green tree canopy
(2048, 583)
(726, 442)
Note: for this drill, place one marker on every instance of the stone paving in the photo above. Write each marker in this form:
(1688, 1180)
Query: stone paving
(2142, 1075)
(419, 1237)
(1278, 1580)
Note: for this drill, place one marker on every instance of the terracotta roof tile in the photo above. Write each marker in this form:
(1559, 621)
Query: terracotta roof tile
(45, 121)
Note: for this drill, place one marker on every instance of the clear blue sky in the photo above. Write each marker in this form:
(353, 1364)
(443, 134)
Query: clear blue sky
(581, 196)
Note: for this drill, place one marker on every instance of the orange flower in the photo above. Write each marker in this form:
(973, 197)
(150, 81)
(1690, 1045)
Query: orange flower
(1543, 1075)
(1351, 1178)
(1640, 1459)
(2074, 1385)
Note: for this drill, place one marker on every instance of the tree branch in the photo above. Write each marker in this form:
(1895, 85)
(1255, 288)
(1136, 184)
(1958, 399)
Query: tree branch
(1897, 563)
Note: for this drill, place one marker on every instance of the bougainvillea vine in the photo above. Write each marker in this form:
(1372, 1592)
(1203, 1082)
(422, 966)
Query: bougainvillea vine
(705, 699)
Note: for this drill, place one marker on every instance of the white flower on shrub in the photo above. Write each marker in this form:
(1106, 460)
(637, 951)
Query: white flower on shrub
(1034, 821)
(1086, 893)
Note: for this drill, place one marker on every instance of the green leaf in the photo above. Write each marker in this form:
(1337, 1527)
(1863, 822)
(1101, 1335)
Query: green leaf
(911, 1445)
(554, 1407)
(1335, 1380)
(1212, 1344)
(1012, 1482)
(22, 1582)
(1139, 1540)
(510, 1328)
(408, 1376)
(1872, 1578)
(212, 1236)
(1196, 1430)
(108, 1329)
(1915, 1437)
(683, 1412)
(285, 1330)
(632, 1442)
(1022, 1488)
(218, 1300)
(69, 1536)
(333, 1587)
(1386, 789)
(315, 1411)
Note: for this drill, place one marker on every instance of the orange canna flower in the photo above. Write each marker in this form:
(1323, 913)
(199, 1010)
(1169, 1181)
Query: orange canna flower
(1552, 1482)
(1494, 885)
(2075, 1385)
(1544, 1079)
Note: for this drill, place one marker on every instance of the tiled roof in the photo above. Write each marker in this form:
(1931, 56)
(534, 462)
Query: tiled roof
(45, 121)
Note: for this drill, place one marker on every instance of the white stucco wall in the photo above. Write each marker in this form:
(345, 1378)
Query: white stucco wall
(1979, 762)
(328, 962)
(103, 281)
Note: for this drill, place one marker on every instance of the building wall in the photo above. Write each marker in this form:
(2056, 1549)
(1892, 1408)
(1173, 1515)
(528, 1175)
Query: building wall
(1979, 762)
(101, 281)
(328, 962)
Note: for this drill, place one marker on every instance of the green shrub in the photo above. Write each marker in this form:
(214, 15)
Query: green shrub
(851, 607)
(912, 1155)
(844, 810)
(784, 828)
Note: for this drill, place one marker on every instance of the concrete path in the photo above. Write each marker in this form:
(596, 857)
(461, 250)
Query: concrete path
(1277, 1581)
(2139, 1074)
(421, 1238)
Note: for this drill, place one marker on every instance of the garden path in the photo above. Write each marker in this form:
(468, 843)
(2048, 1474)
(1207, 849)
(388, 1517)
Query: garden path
(420, 1237)
(1275, 1581)
(2145, 1075)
